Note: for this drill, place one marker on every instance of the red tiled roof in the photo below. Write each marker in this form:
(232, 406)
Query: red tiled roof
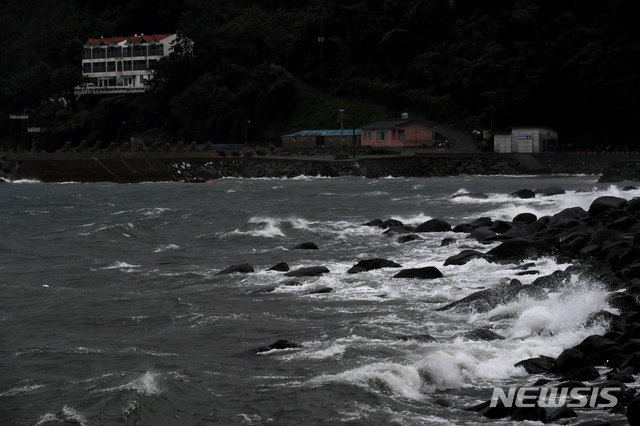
(134, 39)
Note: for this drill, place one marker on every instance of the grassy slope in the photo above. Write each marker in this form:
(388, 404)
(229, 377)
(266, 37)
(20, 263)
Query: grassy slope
(317, 112)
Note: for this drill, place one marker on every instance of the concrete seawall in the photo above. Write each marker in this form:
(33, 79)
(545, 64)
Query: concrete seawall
(130, 167)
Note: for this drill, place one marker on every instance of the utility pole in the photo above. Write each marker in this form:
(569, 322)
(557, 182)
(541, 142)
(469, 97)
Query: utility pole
(341, 130)
(321, 41)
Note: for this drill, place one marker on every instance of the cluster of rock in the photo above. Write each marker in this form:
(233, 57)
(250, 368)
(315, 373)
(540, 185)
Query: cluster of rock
(621, 171)
(198, 171)
(602, 243)
(369, 167)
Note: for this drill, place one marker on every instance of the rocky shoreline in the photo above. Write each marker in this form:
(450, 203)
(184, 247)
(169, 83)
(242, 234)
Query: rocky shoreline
(603, 246)
(369, 168)
(199, 165)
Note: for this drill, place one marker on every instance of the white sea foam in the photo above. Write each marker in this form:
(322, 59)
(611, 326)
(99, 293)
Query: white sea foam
(122, 266)
(146, 384)
(20, 390)
(68, 415)
(166, 247)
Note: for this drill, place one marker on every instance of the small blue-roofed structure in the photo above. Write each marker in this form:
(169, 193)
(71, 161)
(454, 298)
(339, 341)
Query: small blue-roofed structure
(321, 138)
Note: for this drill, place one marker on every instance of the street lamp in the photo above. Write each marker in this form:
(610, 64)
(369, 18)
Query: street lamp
(118, 138)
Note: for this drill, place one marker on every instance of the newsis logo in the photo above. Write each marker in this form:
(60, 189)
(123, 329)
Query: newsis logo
(555, 397)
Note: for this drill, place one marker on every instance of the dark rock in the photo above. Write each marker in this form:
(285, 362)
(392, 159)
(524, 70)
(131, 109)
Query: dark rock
(610, 320)
(519, 248)
(523, 193)
(550, 190)
(305, 246)
(569, 359)
(313, 271)
(320, 290)
(485, 300)
(622, 302)
(464, 257)
(447, 242)
(586, 372)
(434, 225)
(530, 413)
(633, 411)
(537, 226)
(596, 344)
(602, 204)
(539, 365)
(482, 334)
(462, 228)
(281, 267)
(244, 268)
(408, 238)
(375, 222)
(481, 222)
(554, 281)
(278, 344)
(526, 218)
(481, 233)
(426, 338)
(529, 272)
(621, 377)
(632, 333)
(390, 223)
(393, 230)
(443, 402)
(630, 346)
(371, 264)
(426, 273)
(561, 413)
(497, 412)
(632, 361)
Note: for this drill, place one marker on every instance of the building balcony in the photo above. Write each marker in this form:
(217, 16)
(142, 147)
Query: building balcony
(107, 90)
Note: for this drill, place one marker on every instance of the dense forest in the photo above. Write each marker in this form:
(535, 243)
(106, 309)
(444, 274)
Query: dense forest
(565, 64)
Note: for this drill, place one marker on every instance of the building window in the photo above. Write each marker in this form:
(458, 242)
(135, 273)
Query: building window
(152, 62)
(424, 133)
(114, 52)
(86, 54)
(86, 68)
(126, 52)
(156, 50)
(111, 66)
(140, 65)
(366, 135)
(128, 65)
(99, 53)
(382, 135)
(99, 67)
(429, 132)
(139, 50)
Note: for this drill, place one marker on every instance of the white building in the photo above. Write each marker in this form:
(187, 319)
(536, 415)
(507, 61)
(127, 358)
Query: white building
(525, 140)
(122, 64)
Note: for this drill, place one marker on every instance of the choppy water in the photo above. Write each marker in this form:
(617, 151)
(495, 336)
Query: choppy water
(112, 313)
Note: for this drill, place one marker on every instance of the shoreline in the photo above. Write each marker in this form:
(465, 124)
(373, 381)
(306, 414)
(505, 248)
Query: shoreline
(198, 166)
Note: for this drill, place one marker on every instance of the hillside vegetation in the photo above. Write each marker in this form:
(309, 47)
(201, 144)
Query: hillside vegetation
(569, 65)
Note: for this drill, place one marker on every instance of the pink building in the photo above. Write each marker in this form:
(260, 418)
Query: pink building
(397, 133)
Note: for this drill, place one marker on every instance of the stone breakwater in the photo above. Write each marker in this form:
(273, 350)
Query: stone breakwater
(125, 165)
(371, 168)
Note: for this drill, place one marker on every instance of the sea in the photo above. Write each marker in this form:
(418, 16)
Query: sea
(112, 311)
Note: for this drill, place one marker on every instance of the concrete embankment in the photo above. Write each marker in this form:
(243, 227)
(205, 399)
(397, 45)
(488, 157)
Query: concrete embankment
(124, 167)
